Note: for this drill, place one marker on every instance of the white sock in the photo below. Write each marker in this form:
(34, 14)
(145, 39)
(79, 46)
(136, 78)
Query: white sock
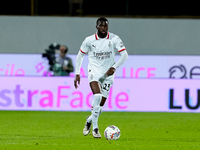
(95, 110)
(90, 117)
(95, 116)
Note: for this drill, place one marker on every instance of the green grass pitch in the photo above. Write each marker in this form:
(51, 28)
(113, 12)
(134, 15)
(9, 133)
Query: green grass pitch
(47, 130)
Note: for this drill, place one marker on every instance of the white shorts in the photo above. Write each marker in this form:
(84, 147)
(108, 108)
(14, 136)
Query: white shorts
(105, 85)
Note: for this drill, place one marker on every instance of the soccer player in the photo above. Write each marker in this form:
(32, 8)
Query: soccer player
(101, 48)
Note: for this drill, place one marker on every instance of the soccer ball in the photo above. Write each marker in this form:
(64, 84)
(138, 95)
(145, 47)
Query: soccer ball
(112, 133)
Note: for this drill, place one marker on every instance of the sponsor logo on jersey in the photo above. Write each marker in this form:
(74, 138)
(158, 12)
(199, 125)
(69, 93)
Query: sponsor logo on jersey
(102, 55)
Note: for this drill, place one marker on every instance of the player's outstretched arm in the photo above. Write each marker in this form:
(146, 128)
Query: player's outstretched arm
(79, 60)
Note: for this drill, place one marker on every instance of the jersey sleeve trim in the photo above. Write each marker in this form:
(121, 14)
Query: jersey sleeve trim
(83, 51)
(121, 50)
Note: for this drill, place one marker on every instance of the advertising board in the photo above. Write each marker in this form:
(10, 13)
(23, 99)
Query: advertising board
(137, 66)
(59, 94)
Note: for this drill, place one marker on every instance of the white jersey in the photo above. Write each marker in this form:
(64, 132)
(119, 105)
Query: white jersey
(101, 51)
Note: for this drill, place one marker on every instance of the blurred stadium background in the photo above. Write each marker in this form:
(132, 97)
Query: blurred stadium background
(160, 97)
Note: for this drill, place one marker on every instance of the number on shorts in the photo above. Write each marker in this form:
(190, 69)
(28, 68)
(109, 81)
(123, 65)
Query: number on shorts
(106, 87)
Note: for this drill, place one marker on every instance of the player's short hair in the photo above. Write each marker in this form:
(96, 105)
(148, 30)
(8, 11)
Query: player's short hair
(102, 19)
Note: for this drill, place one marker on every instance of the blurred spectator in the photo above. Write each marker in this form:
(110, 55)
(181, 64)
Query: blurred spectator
(63, 65)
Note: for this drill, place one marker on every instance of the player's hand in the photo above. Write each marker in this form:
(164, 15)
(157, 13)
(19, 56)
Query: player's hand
(77, 80)
(110, 71)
